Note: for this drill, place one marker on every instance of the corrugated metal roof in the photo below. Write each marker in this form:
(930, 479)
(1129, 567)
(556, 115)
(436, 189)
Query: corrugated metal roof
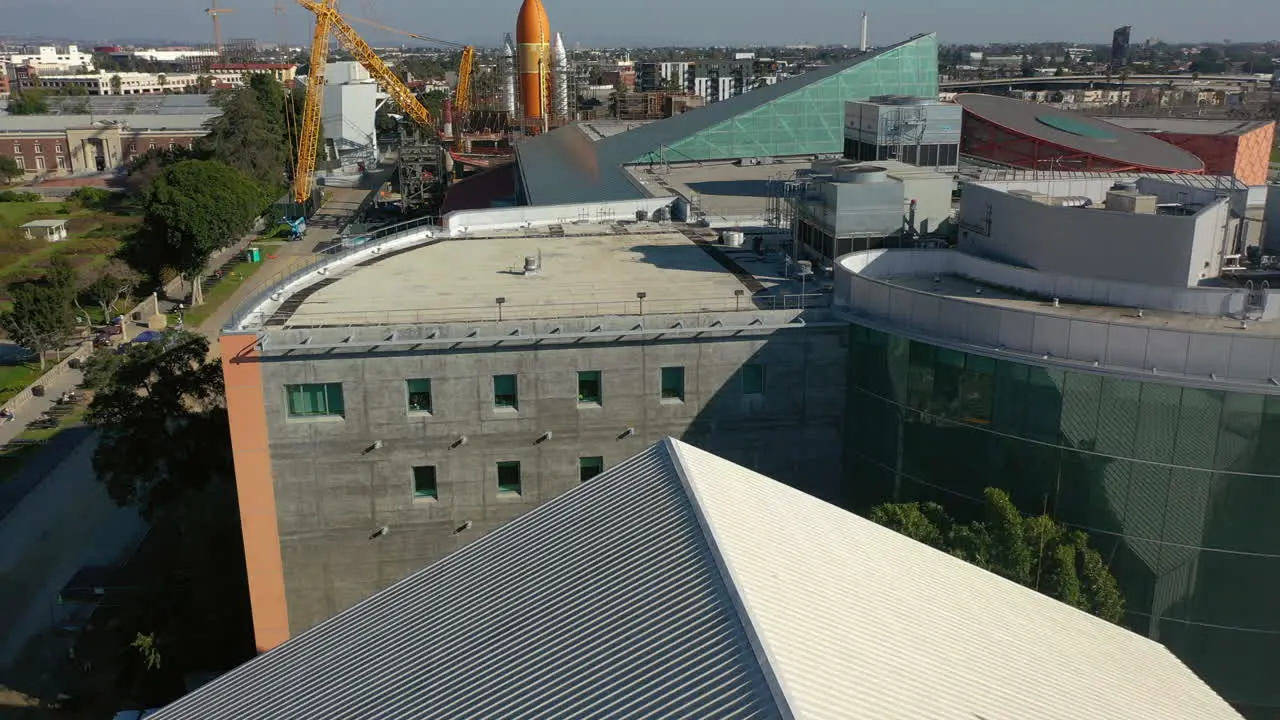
(681, 585)
(602, 603)
(55, 123)
(565, 166)
(860, 622)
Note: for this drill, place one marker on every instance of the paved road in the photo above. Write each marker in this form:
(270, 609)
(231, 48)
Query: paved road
(65, 523)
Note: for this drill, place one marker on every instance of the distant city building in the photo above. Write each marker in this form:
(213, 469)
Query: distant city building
(713, 80)
(1120, 48)
(49, 58)
(236, 74)
(105, 82)
(171, 54)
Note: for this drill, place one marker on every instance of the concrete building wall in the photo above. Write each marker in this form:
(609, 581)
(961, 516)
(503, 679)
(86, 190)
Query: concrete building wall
(1076, 241)
(332, 491)
(1271, 239)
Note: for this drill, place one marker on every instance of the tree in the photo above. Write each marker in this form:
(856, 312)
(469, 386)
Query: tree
(116, 84)
(193, 209)
(163, 81)
(164, 449)
(28, 102)
(249, 136)
(116, 283)
(164, 437)
(1033, 551)
(42, 318)
(9, 169)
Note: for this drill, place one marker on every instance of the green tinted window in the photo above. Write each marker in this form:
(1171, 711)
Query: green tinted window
(505, 392)
(419, 395)
(673, 383)
(589, 467)
(314, 400)
(424, 482)
(589, 387)
(753, 379)
(509, 477)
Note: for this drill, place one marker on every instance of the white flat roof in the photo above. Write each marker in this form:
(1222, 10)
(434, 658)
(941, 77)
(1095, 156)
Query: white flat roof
(45, 223)
(590, 270)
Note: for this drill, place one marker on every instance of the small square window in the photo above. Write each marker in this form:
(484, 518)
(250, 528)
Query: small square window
(753, 379)
(509, 477)
(589, 467)
(673, 383)
(505, 392)
(589, 387)
(419, 395)
(314, 400)
(424, 482)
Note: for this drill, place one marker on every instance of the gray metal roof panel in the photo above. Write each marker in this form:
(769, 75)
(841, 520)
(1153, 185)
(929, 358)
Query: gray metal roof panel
(1098, 138)
(605, 602)
(565, 166)
(56, 123)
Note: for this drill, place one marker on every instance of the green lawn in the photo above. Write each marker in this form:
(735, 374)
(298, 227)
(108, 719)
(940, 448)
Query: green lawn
(1275, 154)
(95, 236)
(13, 378)
(218, 294)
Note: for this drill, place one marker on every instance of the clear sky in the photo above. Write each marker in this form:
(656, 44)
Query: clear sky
(659, 22)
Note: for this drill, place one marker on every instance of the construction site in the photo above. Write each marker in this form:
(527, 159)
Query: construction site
(490, 104)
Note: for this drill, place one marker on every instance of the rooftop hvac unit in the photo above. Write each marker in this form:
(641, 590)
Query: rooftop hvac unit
(861, 174)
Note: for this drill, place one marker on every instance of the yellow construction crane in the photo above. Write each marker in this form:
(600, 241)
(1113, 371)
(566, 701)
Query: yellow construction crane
(309, 136)
(462, 94)
(365, 55)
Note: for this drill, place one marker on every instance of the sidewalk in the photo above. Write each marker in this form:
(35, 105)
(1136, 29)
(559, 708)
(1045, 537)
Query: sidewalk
(33, 408)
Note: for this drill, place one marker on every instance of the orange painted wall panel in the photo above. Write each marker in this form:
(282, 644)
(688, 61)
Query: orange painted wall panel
(1254, 155)
(255, 487)
(1244, 156)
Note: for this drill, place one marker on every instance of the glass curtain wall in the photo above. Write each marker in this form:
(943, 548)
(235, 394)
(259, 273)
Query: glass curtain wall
(1179, 487)
(811, 119)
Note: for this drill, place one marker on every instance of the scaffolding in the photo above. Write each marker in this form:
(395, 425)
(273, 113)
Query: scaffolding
(420, 172)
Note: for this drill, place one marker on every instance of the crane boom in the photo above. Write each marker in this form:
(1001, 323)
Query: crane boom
(365, 55)
(462, 94)
(309, 138)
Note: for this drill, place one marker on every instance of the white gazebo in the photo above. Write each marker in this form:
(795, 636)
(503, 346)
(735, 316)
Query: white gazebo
(50, 230)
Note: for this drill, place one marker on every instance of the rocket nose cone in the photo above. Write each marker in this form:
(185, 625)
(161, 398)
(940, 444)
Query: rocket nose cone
(533, 25)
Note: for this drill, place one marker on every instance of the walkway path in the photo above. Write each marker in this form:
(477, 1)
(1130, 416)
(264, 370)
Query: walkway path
(36, 406)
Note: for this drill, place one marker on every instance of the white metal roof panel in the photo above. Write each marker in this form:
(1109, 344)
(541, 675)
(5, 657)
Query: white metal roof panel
(602, 603)
(860, 622)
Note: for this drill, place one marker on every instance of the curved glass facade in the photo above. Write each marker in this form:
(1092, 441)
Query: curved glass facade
(1179, 487)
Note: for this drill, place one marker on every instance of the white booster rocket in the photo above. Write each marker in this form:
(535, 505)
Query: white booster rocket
(559, 78)
(509, 76)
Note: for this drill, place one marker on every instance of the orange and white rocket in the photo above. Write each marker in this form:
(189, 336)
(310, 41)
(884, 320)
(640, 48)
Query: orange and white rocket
(533, 58)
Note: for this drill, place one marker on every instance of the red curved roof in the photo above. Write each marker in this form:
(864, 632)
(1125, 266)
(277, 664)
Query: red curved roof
(1080, 133)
